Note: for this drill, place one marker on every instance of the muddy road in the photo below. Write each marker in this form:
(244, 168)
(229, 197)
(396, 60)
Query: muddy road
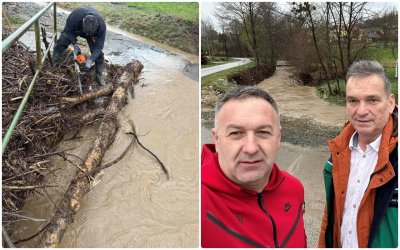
(133, 204)
(307, 122)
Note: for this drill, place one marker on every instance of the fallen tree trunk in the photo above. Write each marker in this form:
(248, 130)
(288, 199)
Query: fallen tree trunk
(83, 118)
(78, 187)
(71, 101)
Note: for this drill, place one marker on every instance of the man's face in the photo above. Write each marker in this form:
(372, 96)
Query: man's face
(247, 141)
(368, 106)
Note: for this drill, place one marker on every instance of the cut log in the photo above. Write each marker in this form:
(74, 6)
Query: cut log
(92, 115)
(83, 118)
(77, 188)
(102, 91)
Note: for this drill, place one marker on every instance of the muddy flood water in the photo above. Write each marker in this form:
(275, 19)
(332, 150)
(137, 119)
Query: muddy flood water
(296, 101)
(134, 205)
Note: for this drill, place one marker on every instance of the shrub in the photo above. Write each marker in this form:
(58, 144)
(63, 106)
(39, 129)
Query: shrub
(204, 59)
(252, 76)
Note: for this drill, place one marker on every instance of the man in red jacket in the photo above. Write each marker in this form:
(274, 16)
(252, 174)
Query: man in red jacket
(246, 200)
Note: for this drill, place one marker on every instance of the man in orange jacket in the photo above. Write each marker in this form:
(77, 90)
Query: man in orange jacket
(246, 200)
(361, 174)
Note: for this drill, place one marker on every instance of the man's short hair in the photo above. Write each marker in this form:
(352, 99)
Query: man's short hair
(366, 68)
(243, 92)
(90, 24)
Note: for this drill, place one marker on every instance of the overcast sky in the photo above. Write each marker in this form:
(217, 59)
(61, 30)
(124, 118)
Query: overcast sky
(208, 9)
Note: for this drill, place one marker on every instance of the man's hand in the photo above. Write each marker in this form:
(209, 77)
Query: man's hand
(76, 48)
(88, 65)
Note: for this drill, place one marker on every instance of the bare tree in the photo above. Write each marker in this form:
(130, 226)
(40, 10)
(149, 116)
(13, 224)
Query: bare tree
(246, 13)
(336, 10)
(207, 36)
(234, 28)
(269, 32)
(355, 13)
(308, 9)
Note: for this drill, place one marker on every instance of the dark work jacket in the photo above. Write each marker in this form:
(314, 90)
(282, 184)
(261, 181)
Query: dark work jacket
(73, 29)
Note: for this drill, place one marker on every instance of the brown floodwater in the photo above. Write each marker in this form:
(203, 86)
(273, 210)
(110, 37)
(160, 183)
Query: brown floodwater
(296, 101)
(134, 205)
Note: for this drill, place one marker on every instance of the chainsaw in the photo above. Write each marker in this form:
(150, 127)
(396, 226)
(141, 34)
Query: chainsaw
(79, 59)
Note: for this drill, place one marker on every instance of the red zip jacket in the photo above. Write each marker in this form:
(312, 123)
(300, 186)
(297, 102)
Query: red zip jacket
(232, 216)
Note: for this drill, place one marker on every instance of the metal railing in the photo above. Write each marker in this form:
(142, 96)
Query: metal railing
(10, 40)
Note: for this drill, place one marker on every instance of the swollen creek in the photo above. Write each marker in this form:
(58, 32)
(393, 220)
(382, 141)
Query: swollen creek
(133, 203)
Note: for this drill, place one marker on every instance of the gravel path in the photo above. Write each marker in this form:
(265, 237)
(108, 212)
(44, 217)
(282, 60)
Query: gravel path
(303, 131)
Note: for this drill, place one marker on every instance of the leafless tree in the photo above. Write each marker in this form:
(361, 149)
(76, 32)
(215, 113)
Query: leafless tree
(246, 13)
(207, 35)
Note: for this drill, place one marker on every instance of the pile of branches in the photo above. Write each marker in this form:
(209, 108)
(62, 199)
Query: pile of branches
(42, 123)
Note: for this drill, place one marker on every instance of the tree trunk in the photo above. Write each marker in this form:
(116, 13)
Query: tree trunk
(253, 33)
(70, 203)
(321, 61)
(72, 101)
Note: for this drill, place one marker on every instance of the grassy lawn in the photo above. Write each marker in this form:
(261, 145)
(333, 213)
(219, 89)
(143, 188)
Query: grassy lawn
(218, 59)
(323, 92)
(395, 86)
(381, 54)
(185, 10)
(211, 81)
(375, 52)
(207, 65)
(174, 23)
(215, 84)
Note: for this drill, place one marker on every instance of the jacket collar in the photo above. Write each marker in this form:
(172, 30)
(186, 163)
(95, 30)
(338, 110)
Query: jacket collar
(353, 144)
(213, 177)
(388, 141)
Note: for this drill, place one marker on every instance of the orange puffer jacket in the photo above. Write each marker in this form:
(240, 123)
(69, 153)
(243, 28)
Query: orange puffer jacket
(382, 174)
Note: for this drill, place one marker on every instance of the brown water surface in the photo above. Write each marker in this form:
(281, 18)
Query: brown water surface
(134, 205)
(296, 101)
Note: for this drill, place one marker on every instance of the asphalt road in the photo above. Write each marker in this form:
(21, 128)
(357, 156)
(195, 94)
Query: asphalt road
(225, 66)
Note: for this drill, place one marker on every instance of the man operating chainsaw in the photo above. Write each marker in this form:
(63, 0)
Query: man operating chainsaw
(87, 23)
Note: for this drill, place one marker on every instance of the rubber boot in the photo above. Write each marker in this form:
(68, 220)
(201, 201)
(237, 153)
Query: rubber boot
(100, 79)
(60, 46)
(99, 72)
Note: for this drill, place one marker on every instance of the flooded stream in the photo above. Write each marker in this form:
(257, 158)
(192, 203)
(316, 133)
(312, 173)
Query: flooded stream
(296, 101)
(134, 205)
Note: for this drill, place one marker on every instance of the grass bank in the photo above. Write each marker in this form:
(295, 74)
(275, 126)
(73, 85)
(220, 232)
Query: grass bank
(184, 10)
(172, 23)
(214, 60)
(375, 51)
(323, 92)
(215, 84)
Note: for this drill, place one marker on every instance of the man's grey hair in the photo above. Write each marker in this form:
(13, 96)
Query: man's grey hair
(240, 93)
(367, 68)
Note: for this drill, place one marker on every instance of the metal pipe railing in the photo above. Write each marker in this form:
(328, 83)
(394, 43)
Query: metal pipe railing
(37, 40)
(8, 42)
(21, 107)
(55, 20)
